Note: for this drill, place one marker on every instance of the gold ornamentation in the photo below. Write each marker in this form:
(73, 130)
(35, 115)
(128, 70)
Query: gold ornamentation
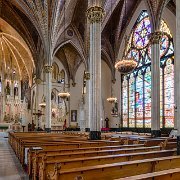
(73, 84)
(95, 14)
(86, 75)
(48, 68)
(113, 81)
(38, 81)
(126, 65)
(155, 37)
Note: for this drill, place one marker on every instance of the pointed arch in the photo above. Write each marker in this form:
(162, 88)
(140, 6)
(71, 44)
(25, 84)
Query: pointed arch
(136, 87)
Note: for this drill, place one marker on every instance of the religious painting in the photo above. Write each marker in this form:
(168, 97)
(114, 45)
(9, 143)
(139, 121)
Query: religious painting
(73, 115)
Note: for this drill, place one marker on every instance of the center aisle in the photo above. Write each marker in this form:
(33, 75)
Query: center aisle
(10, 168)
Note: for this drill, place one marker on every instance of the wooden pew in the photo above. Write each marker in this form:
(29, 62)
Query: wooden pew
(170, 174)
(116, 170)
(50, 157)
(33, 154)
(59, 145)
(48, 165)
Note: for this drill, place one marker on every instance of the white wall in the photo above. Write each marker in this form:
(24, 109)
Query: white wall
(106, 91)
(76, 92)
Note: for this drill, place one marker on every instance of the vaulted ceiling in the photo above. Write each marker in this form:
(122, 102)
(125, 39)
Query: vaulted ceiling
(60, 27)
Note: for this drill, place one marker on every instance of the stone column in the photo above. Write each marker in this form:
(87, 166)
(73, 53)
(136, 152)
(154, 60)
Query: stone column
(176, 70)
(87, 97)
(48, 71)
(95, 15)
(177, 77)
(38, 82)
(155, 82)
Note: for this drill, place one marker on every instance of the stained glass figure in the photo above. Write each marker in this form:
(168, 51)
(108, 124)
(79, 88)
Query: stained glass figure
(131, 101)
(125, 102)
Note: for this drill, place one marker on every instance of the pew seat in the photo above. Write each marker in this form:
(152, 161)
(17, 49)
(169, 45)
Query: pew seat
(170, 174)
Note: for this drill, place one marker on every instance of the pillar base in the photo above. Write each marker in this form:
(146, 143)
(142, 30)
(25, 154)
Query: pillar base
(178, 145)
(87, 129)
(155, 133)
(95, 135)
(48, 130)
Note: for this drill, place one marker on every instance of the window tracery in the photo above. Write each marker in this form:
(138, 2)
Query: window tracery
(136, 87)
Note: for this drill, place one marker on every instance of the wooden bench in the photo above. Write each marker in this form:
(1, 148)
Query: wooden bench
(59, 156)
(170, 174)
(116, 170)
(33, 154)
(59, 145)
(48, 165)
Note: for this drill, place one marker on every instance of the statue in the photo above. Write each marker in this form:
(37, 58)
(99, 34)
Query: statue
(8, 90)
(107, 122)
(64, 126)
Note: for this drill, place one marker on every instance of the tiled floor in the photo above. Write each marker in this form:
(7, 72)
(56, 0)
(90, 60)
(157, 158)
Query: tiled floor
(10, 168)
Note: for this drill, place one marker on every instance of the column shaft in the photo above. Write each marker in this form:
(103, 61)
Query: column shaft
(177, 72)
(95, 15)
(48, 70)
(155, 84)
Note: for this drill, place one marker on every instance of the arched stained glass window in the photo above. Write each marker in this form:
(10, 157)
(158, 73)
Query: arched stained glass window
(136, 87)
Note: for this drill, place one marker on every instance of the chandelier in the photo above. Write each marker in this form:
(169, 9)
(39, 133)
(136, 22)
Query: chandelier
(112, 99)
(42, 104)
(126, 65)
(64, 95)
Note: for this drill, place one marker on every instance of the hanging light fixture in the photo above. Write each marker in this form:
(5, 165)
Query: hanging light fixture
(126, 65)
(64, 95)
(111, 99)
(42, 104)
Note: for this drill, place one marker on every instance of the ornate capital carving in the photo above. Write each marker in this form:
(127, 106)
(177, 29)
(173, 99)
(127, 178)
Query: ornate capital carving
(155, 37)
(38, 81)
(95, 14)
(113, 81)
(86, 75)
(48, 69)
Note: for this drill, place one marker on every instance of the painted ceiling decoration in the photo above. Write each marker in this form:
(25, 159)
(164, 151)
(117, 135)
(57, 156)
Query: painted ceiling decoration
(40, 23)
(14, 53)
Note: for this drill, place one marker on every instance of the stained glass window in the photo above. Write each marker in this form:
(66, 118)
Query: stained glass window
(136, 87)
(139, 100)
(125, 103)
(131, 101)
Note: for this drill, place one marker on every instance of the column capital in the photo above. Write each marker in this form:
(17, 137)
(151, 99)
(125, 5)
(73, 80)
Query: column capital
(95, 14)
(48, 68)
(38, 81)
(155, 37)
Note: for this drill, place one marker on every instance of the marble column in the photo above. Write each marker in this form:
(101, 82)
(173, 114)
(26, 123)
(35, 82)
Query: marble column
(38, 82)
(48, 71)
(95, 15)
(155, 82)
(87, 97)
(176, 70)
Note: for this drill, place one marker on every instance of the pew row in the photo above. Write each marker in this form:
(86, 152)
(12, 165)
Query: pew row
(170, 174)
(48, 165)
(115, 170)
